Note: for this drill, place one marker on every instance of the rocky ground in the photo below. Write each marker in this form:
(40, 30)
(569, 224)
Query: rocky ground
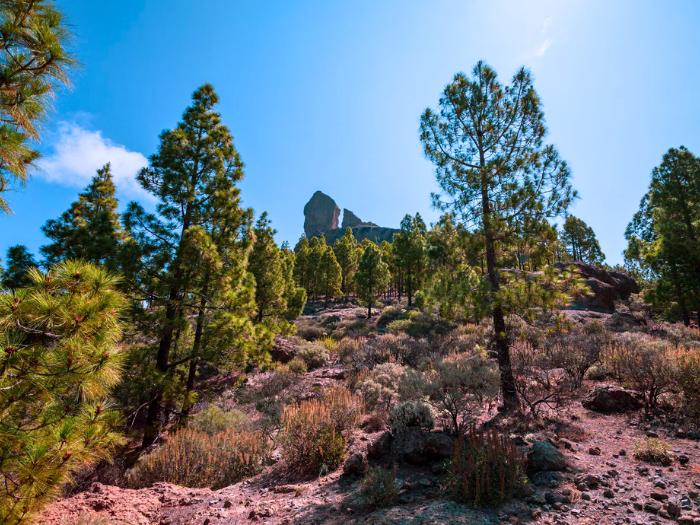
(581, 463)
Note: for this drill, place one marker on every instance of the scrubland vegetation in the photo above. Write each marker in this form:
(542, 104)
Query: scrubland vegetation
(188, 337)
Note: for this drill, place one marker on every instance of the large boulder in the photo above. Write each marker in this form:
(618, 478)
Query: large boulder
(607, 286)
(320, 214)
(543, 456)
(610, 399)
(418, 447)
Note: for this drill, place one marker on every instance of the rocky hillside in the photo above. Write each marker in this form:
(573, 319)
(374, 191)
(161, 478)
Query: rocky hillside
(590, 454)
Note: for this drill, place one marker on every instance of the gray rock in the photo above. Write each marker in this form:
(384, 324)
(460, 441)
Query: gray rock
(612, 399)
(419, 447)
(355, 465)
(543, 456)
(380, 448)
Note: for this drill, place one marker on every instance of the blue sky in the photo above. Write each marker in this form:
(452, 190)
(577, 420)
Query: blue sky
(328, 94)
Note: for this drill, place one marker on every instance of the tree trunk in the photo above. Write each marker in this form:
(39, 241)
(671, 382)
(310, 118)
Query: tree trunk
(409, 287)
(510, 396)
(196, 349)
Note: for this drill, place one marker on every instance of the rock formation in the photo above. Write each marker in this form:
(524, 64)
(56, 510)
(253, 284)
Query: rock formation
(321, 217)
(320, 214)
(350, 220)
(607, 286)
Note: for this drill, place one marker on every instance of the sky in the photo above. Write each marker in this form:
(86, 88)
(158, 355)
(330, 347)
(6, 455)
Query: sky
(327, 95)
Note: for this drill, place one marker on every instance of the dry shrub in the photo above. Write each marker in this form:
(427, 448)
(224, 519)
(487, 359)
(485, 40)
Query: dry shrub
(653, 450)
(379, 487)
(410, 414)
(688, 374)
(379, 387)
(314, 432)
(643, 363)
(577, 349)
(486, 469)
(309, 330)
(213, 419)
(196, 459)
(539, 380)
(369, 352)
(282, 377)
(460, 385)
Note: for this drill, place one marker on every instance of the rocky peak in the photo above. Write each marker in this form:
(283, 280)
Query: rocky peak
(350, 220)
(320, 214)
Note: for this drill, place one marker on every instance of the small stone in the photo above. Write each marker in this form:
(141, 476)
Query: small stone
(658, 496)
(652, 434)
(683, 459)
(622, 452)
(227, 504)
(594, 451)
(585, 496)
(652, 507)
(673, 509)
(608, 493)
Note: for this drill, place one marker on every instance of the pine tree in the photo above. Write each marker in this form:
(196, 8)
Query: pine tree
(89, 230)
(346, 253)
(372, 275)
(267, 266)
(663, 237)
(410, 251)
(329, 274)
(33, 62)
(486, 141)
(59, 359)
(294, 295)
(193, 252)
(580, 242)
(19, 262)
(302, 255)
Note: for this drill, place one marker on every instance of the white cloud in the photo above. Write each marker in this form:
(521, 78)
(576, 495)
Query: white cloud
(546, 24)
(542, 49)
(77, 153)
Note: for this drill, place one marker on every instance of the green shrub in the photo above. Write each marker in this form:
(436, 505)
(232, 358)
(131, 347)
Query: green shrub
(410, 414)
(314, 432)
(653, 450)
(389, 315)
(306, 329)
(379, 487)
(486, 469)
(328, 343)
(420, 325)
(297, 366)
(314, 355)
(213, 419)
(196, 459)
